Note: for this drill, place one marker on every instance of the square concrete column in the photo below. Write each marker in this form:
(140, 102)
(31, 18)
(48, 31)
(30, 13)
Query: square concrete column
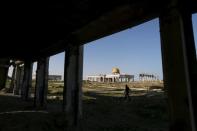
(73, 76)
(191, 57)
(27, 80)
(4, 66)
(12, 83)
(176, 71)
(41, 86)
(19, 72)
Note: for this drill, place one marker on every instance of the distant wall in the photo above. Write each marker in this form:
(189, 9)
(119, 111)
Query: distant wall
(50, 77)
(55, 77)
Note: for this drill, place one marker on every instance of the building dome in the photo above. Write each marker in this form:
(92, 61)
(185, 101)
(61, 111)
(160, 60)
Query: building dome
(115, 71)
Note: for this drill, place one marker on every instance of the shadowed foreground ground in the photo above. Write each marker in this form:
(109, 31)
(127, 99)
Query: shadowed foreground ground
(104, 109)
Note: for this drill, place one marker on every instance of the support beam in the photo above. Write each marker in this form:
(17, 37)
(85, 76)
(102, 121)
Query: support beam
(27, 80)
(18, 79)
(191, 57)
(4, 66)
(175, 68)
(41, 87)
(12, 83)
(72, 95)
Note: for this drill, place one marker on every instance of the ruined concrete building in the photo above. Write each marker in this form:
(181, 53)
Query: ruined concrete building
(114, 77)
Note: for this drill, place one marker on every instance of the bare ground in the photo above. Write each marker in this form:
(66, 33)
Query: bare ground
(104, 109)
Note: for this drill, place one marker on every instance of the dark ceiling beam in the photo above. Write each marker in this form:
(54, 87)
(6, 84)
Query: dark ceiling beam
(125, 17)
(113, 22)
(119, 19)
(83, 28)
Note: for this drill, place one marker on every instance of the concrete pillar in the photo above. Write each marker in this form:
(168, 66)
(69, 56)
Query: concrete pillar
(141, 78)
(176, 71)
(191, 57)
(41, 86)
(19, 72)
(4, 66)
(12, 83)
(72, 94)
(27, 80)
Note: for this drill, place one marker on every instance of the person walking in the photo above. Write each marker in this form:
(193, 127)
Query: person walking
(127, 92)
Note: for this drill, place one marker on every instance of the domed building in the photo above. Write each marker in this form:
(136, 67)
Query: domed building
(114, 77)
(115, 71)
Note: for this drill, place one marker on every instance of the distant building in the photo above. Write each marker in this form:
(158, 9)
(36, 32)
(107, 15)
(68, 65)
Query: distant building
(51, 77)
(34, 77)
(114, 77)
(55, 77)
(148, 77)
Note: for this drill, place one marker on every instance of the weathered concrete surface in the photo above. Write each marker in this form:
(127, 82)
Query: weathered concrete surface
(4, 66)
(13, 81)
(191, 57)
(41, 83)
(27, 80)
(72, 95)
(19, 73)
(76, 22)
(175, 68)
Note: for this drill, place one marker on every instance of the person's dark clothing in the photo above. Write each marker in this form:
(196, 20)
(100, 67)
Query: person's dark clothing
(127, 92)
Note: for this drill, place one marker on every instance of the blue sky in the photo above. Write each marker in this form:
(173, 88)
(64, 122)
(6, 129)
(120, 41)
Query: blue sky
(133, 51)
